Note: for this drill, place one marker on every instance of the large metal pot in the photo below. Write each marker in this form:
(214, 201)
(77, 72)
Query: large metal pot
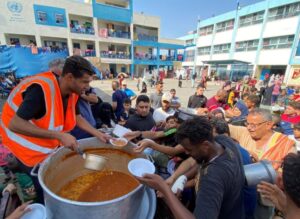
(64, 166)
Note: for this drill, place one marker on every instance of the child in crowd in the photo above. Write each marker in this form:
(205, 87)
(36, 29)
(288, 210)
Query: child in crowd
(283, 99)
(128, 110)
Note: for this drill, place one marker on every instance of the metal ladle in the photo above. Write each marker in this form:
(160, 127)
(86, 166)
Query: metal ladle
(93, 161)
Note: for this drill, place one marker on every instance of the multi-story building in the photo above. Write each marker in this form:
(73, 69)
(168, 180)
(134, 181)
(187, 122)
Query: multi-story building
(190, 50)
(252, 40)
(122, 40)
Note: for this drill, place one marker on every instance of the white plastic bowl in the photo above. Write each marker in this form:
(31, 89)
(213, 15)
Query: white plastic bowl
(37, 211)
(123, 139)
(140, 166)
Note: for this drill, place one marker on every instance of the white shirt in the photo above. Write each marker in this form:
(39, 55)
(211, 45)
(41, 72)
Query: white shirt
(160, 115)
(297, 143)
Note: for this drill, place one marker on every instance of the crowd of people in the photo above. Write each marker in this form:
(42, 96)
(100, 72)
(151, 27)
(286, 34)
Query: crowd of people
(199, 150)
(205, 144)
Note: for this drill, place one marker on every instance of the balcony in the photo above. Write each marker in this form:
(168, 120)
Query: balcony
(166, 58)
(111, 13)
(82, 30)
(89, 53)
(145, 56)
(145, 37)
(104, 32)
(114, 55)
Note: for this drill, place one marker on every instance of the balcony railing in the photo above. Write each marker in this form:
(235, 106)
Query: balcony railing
(89, 53)
(167, 58)
(83, 30)
(145, 56)
(104, 32)
(114, 55)
(145, 37)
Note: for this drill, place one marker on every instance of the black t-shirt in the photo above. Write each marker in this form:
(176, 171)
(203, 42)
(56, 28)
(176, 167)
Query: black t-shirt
(197, 101)
(139, 123)
(220, 188)
(33, 105)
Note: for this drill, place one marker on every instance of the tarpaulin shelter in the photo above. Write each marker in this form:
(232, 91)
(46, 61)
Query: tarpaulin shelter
(26, 61)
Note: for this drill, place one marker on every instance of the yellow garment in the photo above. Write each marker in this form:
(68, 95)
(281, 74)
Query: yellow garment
(278, 146)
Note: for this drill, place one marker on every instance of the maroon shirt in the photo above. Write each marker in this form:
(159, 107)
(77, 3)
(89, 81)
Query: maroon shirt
(213, 104)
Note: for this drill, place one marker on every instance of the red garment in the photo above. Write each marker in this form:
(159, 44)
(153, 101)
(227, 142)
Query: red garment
(213, 104)
(290, 119)
(296, 97)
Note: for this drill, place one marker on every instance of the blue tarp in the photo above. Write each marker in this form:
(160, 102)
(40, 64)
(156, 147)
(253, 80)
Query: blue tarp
(22, 62)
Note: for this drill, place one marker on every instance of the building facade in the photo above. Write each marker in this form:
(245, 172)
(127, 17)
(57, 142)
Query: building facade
(253, 40)
(108, 30)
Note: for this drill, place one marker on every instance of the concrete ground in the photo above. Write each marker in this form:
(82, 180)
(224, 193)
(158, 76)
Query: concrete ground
(105, 91)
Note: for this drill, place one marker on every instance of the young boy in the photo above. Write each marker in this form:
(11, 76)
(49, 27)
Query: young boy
(126, 112)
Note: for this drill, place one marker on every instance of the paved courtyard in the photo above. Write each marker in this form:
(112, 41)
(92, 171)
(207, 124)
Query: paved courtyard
(104, 89)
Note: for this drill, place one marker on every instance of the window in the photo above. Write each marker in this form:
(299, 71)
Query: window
(42, 16)
(278, 42)
(284, 11)
(252, 19)
(189, 55)
(189, 42)
(222, 48)
(206, 30)
(14, 41)
(90, 46)
(204, 50)
(76, 45)
(250, 45)
(226, 25)
(59, 19)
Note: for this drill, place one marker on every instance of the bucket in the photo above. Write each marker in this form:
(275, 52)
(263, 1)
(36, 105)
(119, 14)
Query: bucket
(258, 172)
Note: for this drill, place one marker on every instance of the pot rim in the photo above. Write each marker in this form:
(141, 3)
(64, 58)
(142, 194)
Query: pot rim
(42, 168)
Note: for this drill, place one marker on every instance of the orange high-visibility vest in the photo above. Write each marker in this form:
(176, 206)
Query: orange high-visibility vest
(31, 150)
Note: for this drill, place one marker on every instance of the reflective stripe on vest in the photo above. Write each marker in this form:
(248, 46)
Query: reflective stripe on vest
(50, 83)
(25, 143)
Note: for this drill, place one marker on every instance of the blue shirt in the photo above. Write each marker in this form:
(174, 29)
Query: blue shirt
(86, 113)
(129, 92)
(119, 96)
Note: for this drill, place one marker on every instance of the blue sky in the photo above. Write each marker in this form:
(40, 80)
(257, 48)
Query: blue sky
(180, 16)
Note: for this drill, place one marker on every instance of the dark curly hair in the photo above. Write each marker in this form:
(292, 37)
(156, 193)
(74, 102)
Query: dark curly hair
(197, 130)
(291, 177)
(220, 125)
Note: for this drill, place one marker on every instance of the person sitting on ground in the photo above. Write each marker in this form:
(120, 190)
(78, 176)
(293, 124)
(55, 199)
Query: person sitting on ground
(130, 94)
(128, 111)
(288, 199)
(222, 178)
(118, 98)
(290, 116)
(160, 114)
(155, 98)
(142, 120)
(175, 102)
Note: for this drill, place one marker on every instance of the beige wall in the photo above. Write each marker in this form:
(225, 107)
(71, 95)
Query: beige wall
(80, 19)
(142, 49)
(146, 20)
(83, 44)
(172, 41)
